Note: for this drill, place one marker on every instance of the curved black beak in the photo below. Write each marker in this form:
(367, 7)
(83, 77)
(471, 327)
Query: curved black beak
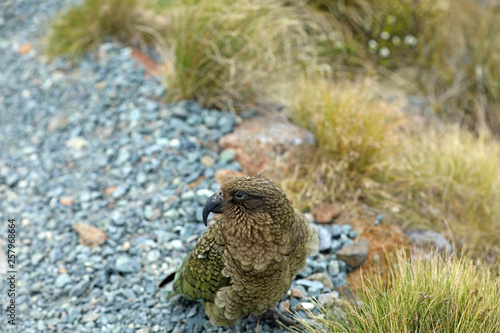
(213, 204)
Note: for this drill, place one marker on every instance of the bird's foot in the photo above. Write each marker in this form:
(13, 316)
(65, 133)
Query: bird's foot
(234, 329)
(275, 315)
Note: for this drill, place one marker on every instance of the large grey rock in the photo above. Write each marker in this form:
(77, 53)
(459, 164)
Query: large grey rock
(355, 254)
(429, 240)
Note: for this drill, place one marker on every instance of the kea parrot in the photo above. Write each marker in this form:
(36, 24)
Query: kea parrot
(244, 263)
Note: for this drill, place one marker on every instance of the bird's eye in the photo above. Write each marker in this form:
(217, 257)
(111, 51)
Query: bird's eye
(239, 195)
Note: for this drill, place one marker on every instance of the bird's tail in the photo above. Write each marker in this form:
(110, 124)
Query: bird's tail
(167, 280)
(174, 277)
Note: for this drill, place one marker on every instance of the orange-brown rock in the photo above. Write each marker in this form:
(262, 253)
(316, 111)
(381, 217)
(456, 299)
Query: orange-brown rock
(263, 142)
(89, 235)
(25, 48)
(148, 62)
(66, 201)
(110, 190)
(385, 239)
(325, 213)
(296, 293)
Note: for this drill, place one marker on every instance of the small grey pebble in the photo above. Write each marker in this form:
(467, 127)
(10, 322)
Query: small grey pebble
(62, 280)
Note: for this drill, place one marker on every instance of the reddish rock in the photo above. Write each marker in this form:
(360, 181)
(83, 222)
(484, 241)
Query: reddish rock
(222, 175)
(89, 235)
(25, 48)
(285, 306)
(148, 62)
(66, 201)
(385, 239)
(263, 141)
(296, 293)
(325, 213)
(110, 190)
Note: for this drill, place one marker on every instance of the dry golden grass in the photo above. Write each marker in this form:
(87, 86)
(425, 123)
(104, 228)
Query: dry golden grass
(423, 295)
(449, 181)
(232, 54)
(81, 28)
(355, 131)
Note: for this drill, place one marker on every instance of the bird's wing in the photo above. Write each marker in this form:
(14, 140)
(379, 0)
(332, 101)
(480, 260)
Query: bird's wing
(304, 241)
(200, 275)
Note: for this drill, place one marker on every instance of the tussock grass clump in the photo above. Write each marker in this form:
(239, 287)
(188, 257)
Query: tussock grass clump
(83, 27)
(422, 295)
(349, 121)
(451, 180)
(231, 54)
(355, 132)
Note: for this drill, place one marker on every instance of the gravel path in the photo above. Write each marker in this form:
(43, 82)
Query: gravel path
(94, 143)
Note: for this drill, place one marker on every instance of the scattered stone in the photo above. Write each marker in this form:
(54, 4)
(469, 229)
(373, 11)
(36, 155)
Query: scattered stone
(36, 258)
(284, 306)
(66, 201)
(328, 299)
(79, 288)
(428, 240)
(62, 280)
(333, 268)
(324, 278)
(25, 48)
(120, 191)
(153, 255)
(151, 213)
(56, 123)
(304, 306)
(296, 293)
(208, 161)
(379, 219)
(310, 283)
(335, 231)
(89, 235)
(124, 264)
(109, 191)
(117, 217)
(126, 246)
(90, 317)
(77, 143)
(227, 155)
(346, 229)
(325, 239)
(12, 179)
(355, 254)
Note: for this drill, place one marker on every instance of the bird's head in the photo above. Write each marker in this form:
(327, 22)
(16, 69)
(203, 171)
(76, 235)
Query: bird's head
(244, 197)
